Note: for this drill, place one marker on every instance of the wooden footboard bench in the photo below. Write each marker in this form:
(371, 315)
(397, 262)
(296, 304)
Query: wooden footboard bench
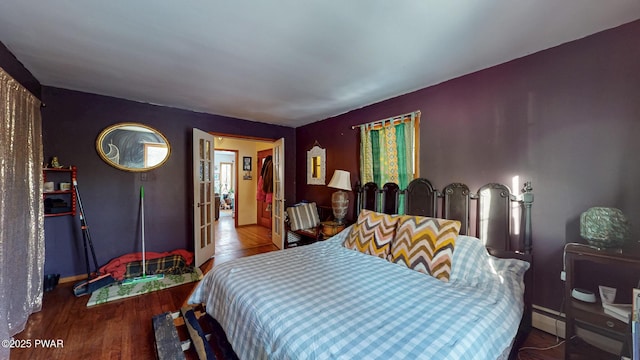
(190, 334)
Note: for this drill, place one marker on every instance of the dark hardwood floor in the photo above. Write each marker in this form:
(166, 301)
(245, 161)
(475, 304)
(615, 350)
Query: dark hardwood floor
(122, 329)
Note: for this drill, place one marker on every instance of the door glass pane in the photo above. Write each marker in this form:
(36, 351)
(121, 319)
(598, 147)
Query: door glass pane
(208, 150)
(201, 193)
(201, 148)
(201, 171)
(203, 235)
(209, 234)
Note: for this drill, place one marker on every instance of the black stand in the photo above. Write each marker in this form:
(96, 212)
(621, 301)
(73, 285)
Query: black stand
(96, 282)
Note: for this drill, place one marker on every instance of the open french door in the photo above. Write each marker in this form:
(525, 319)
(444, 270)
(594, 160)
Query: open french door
(277, 228)
(203, 197)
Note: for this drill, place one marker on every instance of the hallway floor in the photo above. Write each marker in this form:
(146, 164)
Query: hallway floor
(234, 242)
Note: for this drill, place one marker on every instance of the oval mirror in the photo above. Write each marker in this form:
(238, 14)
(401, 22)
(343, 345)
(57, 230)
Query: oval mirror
(133, 147)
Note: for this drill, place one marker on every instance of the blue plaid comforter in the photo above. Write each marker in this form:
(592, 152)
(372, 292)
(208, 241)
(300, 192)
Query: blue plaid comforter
(323, 301)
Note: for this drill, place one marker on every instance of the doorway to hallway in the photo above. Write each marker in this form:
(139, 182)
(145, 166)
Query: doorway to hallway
(245, 174)
(232, 242)
(225, 175)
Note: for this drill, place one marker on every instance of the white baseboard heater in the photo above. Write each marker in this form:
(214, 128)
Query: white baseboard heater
(552, 322)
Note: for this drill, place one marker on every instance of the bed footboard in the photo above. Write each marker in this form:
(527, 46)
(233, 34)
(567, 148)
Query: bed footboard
(190, 334)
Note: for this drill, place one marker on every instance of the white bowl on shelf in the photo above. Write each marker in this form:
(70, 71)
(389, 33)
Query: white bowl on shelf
(583, 295)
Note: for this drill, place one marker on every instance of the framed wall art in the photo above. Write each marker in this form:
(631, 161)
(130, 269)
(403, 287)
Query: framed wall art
(246, 163)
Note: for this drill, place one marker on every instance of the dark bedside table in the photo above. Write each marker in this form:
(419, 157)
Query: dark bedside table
(331, 228)
(591, 317)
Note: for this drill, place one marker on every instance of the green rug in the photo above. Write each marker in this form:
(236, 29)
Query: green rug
(118, 291)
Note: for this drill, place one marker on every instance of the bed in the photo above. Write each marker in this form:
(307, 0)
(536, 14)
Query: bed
(326, 301)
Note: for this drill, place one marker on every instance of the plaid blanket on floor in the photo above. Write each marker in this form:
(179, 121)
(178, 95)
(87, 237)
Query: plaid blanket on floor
(169, 265)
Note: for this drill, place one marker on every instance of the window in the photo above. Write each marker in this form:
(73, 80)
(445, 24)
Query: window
(226, 184)
(389, 151)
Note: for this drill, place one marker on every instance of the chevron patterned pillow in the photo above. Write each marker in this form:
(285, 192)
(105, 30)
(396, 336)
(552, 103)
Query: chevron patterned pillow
(425, 245)
(372, 233)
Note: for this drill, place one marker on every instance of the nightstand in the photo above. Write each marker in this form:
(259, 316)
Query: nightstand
(589, 320)
(331, 228)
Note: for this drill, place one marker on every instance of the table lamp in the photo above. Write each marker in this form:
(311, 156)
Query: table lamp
(604, 227)
(341, 180)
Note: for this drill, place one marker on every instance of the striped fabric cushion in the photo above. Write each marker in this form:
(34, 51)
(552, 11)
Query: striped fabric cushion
(372, 233)
(425, 245)
(303, 216)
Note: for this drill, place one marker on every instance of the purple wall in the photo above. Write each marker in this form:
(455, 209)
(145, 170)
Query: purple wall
(11, 65)
(71, 123)
(567, 118)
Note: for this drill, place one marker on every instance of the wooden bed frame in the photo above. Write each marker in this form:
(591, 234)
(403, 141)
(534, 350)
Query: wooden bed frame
(493, 221)
(493, 224)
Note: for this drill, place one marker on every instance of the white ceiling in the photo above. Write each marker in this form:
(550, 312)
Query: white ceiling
(287, 62)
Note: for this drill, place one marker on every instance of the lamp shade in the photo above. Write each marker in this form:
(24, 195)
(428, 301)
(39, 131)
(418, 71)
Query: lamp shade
(604, 227)
(341, 180)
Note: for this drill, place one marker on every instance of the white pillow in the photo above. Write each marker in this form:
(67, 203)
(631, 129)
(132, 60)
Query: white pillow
(472, 264)
(470, 260)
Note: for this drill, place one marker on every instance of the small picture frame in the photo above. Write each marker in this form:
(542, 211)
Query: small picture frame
(246, 163)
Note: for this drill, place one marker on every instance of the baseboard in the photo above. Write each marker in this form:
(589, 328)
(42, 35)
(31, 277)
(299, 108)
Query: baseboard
(74, 278)
(548, 320)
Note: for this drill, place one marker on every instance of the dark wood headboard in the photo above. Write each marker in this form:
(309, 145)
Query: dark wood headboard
(493, 221)
(493, 213)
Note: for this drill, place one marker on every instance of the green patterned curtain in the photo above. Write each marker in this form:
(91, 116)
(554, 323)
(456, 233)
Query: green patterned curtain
(376, 153)
(386, 151)
(366, 156)
(404, 173)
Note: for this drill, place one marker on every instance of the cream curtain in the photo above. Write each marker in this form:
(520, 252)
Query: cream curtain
(21, 208)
